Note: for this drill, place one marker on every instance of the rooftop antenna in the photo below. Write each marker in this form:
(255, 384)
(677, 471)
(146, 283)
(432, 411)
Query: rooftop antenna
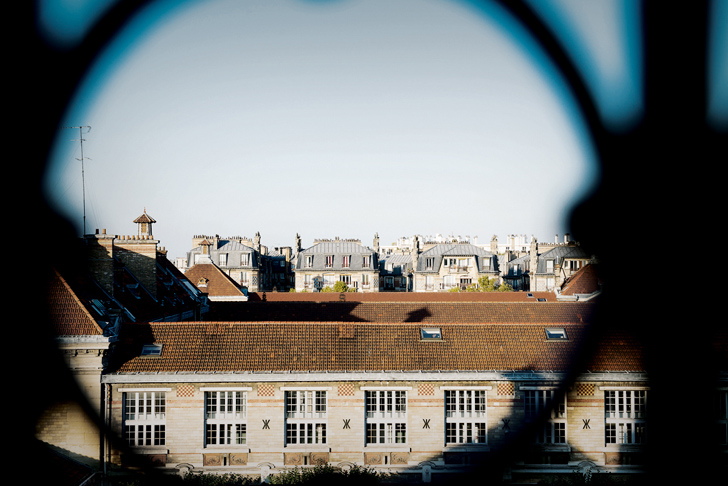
(83, 180)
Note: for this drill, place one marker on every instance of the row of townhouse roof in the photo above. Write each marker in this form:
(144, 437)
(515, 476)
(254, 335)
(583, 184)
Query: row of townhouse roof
(421, 267)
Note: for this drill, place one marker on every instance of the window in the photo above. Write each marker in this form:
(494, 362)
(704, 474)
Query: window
(244, 259)
(546, 404)
(365, 280)
(366, 261)
(223, 259)
(152, 350)
(225, 417)
(624, 414)
(145, 417)
(345, 261)
(465, 417)
(485, 264)
(309, 261)
(549, 265)
(346, 279)
(555, 334)
(386, 416)
(429, 263)
(430, 333)
(329, 261)
(306, 417)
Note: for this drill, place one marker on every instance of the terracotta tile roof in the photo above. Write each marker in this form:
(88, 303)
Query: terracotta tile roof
(402, 296)
(585, 281)
(69, 316)
(218, 283)
(450, 312)
(296, 346)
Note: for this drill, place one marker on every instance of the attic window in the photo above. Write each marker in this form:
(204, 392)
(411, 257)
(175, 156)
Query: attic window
(152, 350)
(556, 334)
(431, 334)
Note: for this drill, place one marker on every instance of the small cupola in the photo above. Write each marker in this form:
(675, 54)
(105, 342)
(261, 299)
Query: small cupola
(144, 225)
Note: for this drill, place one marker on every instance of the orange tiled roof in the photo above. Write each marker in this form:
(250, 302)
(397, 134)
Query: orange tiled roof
(69, 317)
(585, 281)
(402, 296)
(296, 346)
(450, 312)
(219, 283)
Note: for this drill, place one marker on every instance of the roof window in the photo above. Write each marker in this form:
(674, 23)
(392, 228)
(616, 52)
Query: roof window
(431, 334)
(556, 334)
(152, 350)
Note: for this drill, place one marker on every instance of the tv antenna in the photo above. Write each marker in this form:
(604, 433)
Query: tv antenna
(83, 180)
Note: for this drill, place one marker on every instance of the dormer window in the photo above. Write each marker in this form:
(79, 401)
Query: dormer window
(329, 261)
(309, 261)
(366, 261)
(202, 282)
(429, 263)
(345, 261)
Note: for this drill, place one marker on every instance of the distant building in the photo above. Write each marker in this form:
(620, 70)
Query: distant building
(443, 266)
(331, 261)
(246, 261)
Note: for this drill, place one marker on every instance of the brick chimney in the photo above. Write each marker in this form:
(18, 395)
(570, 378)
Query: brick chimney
(101, 259)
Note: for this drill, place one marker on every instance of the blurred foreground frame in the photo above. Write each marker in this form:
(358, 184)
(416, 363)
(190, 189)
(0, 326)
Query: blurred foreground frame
(658, 187)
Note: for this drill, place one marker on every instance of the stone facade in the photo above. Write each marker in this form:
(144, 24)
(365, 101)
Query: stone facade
(425, 441)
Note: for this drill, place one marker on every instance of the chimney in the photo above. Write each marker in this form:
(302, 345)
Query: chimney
(101, 259)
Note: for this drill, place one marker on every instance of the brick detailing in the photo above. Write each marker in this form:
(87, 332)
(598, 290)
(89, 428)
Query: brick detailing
(346, 390)
(266, 390)
(426, 389)
(506, 388)
(585, 389)
(185, 391)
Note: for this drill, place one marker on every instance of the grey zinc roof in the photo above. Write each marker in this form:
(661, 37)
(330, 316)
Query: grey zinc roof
(559, 254)
(438, 252)
(338, 249)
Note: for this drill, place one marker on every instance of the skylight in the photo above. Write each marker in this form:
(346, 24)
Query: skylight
(152, 350)
(431, 333)
(556, 333)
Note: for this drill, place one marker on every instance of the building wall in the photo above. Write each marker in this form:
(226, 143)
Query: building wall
(346, 426)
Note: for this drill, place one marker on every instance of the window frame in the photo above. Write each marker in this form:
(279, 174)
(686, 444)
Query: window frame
(466, 415)
(144, 416)
(625, 416)
(227, 427)
(385, 412)
(305, 416)
(536, 401)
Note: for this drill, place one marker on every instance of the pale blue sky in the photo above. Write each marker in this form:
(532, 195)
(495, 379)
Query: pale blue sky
(337, 118)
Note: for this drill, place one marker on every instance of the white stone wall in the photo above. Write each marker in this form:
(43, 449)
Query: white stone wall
(346, 429)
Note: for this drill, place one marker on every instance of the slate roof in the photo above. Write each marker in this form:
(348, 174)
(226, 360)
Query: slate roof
(442, 250)
(234, 249)
(326, 347)
(338, 249)
(559, 254)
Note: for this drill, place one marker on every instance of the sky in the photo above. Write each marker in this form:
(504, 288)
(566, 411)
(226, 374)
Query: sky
(335, 118)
